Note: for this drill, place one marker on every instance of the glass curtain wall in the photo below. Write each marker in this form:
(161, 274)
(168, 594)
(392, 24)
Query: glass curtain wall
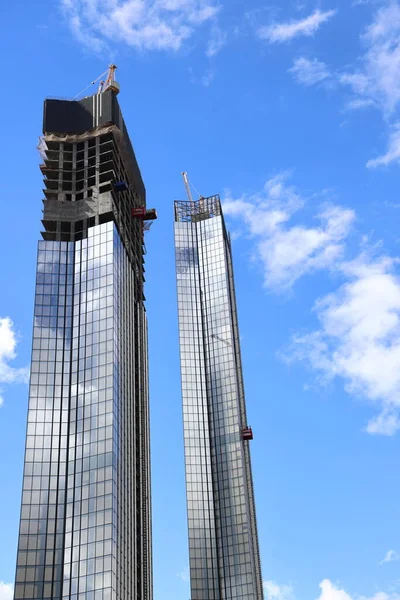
(81, 519)
(223, 545)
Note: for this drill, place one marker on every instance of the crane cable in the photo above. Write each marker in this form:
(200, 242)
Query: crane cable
(91, 83)
(189, 182)
(195, 189)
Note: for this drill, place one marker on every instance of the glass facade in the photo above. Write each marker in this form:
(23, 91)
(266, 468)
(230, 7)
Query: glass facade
(85, 524)
(223, 543)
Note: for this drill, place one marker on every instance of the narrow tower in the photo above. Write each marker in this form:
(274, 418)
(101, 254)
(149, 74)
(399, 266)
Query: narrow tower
(85, 529)
(223, 543)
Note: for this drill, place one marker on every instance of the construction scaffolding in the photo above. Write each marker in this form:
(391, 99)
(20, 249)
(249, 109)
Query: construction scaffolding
(198, 210)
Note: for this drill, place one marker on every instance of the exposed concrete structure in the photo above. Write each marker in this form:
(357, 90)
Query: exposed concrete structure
(81, 170)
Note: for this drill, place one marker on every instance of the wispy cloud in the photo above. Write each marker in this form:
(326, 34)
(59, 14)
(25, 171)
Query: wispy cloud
(358, 338)
(377, 79)
(328, 591)
(390, 556)
(385, 423)
(217, 41)
(8, 344)
(357, 103)
(393, 152)
(309, 71)
(6, 591)
(285, 31)
(208, 77)
(141, 24)
(287, 252)
(275, 591)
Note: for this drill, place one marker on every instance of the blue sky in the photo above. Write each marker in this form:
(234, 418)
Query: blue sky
(289, 110)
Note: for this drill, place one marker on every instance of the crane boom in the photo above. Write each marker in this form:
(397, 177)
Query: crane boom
(187, 186)
(110, 83)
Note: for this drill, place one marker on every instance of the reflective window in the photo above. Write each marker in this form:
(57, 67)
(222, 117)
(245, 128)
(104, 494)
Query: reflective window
(224, 559)
(84, 496)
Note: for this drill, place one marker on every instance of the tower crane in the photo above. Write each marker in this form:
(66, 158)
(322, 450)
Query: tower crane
(187, 187)
(189, 192)
(110, 83)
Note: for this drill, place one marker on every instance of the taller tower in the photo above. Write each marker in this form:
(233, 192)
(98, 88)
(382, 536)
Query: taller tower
(223, 543)
(85, 529)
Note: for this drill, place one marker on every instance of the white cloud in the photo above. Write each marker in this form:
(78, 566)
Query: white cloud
(142, 24)
(216, 42)
(390, 556)
(6, 591)
(393, 152)
(357, 103)
(282, 32)
(8, 343)
(330, 592)
(358, 339)
(287, 252)
(358, 336)
(377, 81)
(274, 591)
(208, 78)
(386, 423)
(309, 72)
(381, 596)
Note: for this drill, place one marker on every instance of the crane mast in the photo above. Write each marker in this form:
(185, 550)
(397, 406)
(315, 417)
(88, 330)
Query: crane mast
(190, 195)
(110, 83)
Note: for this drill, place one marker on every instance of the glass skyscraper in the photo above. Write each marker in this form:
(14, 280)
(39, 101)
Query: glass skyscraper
(223, 542)
(85, 529)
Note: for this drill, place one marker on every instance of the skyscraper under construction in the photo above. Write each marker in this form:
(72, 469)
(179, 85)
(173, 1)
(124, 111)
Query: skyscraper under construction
(85, 529)
(223, 542)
